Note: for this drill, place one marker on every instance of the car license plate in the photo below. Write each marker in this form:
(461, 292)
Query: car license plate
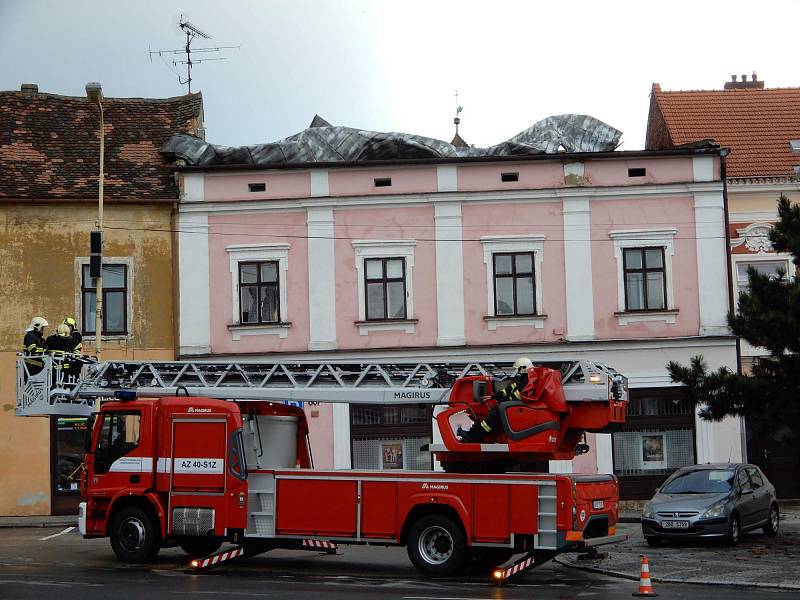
(675, 524)
(598, 504)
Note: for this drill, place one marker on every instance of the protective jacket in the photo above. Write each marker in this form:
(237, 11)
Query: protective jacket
(33, 345)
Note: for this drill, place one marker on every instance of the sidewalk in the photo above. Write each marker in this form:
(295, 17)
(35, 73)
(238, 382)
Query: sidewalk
(41, 521)
(757, 561)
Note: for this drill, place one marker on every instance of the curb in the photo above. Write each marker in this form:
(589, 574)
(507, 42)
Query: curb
(620, 575)
(35, 523)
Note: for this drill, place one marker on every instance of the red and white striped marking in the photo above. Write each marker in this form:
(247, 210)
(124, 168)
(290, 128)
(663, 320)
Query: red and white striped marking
(517, 567)
(320, 544)
(218, 558)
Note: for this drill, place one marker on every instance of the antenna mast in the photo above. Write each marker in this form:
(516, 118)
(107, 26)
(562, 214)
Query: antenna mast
(459, 108)
(192, 32)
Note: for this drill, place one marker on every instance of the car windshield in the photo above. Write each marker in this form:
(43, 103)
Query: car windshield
(701, 481)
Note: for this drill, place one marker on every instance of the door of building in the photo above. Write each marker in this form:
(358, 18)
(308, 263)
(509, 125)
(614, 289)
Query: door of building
(777, 455)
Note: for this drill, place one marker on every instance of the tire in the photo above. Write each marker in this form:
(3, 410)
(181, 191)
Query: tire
(135, 535)
(436, 545)
(654, 542)
(199, 547)
(734, 530)
(773, 522)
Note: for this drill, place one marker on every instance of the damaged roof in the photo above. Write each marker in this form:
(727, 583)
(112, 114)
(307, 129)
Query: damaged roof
(322, 142)
(757, 124)
(50, 145)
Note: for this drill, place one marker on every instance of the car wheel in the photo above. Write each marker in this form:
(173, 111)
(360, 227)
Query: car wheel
(436, 545)
(774, 520)
(734, 530)
(135, 536)
(653, 542)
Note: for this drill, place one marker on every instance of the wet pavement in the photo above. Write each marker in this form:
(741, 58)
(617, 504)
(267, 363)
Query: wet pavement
(758, 560)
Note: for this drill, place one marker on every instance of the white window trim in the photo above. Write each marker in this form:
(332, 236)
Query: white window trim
(252, 253)
(494, 244)
(80, 261)
(645, 238)
(364, 249)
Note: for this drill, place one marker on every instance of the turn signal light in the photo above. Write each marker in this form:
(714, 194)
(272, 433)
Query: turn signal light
(574, 536)
(612, 531)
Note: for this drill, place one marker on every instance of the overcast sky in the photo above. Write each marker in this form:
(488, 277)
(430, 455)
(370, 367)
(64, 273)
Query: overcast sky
(395, 65)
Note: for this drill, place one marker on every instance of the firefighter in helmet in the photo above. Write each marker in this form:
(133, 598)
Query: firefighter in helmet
(33, 345)
(61, 345)
(73, 331)
(512, 391)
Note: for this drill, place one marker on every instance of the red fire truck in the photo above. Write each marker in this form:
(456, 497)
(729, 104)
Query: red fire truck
(197, 471)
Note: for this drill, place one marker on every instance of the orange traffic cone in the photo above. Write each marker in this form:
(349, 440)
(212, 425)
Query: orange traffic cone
(645, 587)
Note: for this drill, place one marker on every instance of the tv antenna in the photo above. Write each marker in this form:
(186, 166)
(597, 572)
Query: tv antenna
(192, 32)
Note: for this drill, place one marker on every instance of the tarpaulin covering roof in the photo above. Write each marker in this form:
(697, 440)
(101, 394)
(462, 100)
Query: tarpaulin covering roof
(323, 142)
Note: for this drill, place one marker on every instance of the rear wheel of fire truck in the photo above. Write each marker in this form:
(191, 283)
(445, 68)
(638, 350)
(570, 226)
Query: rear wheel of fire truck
(135, 536)
(436, 545)
(198, 547)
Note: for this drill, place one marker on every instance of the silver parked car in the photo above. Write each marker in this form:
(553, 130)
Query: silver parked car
(711, 501)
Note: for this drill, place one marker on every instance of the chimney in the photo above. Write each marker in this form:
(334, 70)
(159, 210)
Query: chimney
(29, 89)
(754, 83)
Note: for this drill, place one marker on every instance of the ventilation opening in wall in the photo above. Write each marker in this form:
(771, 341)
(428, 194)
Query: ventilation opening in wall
(637, 172)
(383, 181)
(509, 176)
(257, 187)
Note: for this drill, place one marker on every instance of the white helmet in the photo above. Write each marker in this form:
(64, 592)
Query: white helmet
(37, 324)
(522, 364)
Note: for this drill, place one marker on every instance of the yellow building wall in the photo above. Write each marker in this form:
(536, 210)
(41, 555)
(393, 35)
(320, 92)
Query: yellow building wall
(38, 277)
(756, 201)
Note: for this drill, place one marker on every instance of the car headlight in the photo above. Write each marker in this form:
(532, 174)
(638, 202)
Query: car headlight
(715, 511)
(648, 513)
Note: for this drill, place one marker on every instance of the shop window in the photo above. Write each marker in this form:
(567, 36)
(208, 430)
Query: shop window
(390, 437)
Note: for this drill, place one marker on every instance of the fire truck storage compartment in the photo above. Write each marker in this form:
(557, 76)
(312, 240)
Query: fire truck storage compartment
(270, 441)
(198, 455)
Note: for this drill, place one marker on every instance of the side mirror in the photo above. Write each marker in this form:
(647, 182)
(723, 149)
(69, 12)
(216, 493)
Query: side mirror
(87, 436)
(479, 391)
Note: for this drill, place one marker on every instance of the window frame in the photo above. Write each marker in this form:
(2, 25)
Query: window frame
(645, 238)
(514, 244)
(260, 284)
(81, 290)
(644, 271)
(367, 249)
(385, 280)
(256, 253)
(514, 276)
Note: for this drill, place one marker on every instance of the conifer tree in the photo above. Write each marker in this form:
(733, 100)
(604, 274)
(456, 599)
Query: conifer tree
(768, 396)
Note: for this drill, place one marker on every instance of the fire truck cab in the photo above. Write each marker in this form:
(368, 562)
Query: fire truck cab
(198, 472)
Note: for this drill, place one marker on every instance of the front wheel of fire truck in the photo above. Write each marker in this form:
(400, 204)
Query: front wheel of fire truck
(436, 545)
(135, 537)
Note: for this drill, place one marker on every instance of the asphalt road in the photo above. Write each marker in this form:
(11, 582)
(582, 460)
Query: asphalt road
(40, 563)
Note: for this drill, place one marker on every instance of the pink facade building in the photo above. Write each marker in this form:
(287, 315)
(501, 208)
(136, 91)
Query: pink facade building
(618, 257)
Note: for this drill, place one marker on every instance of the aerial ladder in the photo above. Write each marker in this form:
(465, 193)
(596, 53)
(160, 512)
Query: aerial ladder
(461, 391)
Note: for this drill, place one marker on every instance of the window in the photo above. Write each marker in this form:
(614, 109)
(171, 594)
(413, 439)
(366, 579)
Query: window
(644, 275)
(637, 172)
(645, 279)
(390, 437)
(755, 477)
(742, 482)
(119, 435)
(764, 267)
(514, 280)
(508, 177)
(383, 182)
(115, 299)
(385, 285)
(514, 287)
(259, 292)
(257, 187)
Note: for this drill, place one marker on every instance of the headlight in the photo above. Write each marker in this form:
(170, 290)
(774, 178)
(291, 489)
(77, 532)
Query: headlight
(715, 511)
(648, 513)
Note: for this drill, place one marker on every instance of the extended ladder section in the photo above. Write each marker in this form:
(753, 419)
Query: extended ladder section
(52, 391)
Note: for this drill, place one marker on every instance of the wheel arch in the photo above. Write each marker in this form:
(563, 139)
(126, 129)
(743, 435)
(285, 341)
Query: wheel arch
(148, 502)
(423, 510)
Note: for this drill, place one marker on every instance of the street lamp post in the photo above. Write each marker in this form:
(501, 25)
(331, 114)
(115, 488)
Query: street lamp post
(94, 93)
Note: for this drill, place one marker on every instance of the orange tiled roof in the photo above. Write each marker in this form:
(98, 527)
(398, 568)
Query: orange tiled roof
(756, 124)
